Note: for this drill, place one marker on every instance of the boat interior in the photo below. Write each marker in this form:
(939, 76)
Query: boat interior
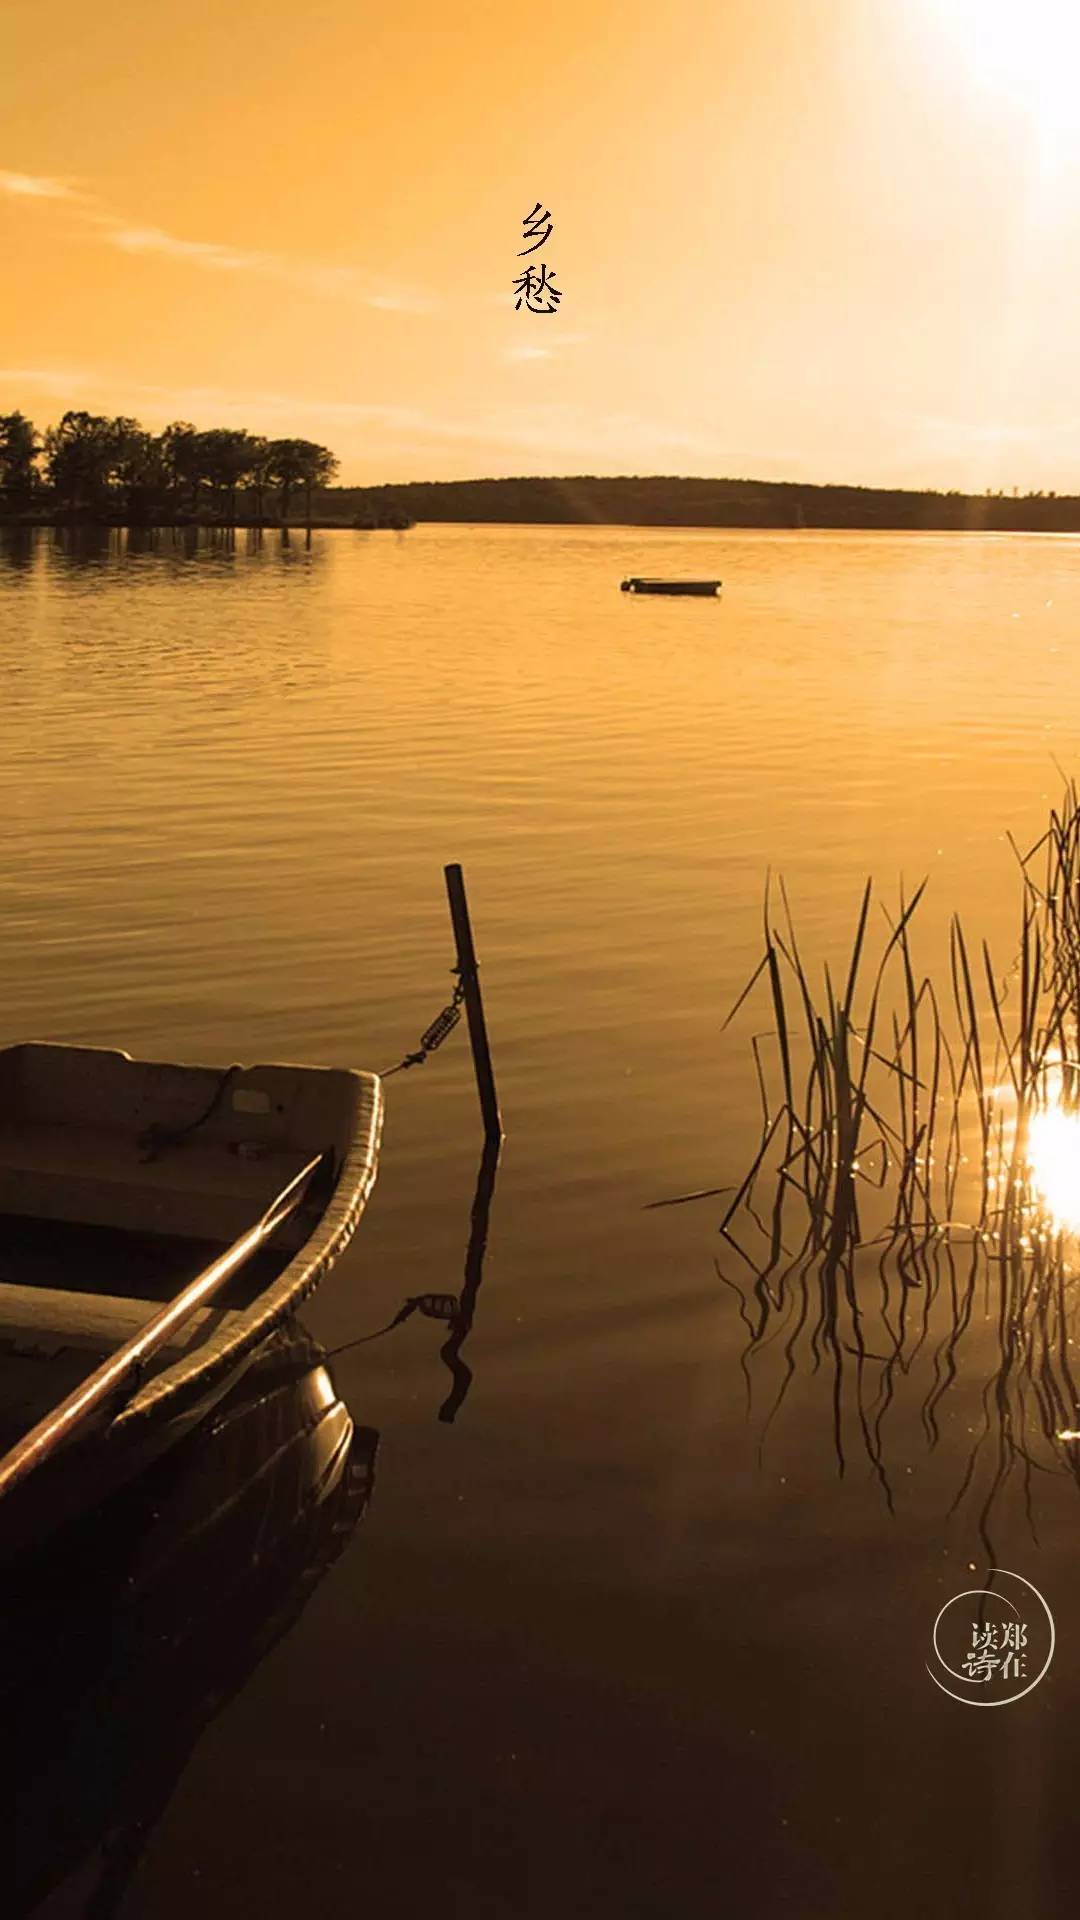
(120, 1180)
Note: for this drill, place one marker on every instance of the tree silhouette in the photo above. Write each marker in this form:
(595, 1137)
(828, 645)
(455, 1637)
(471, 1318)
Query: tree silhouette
(77, 457)
(133, 467)
(260, 465)
(19, 448)
(319, 468)
(114, 470)
(298, 463)
(182, 455)
(225, 455)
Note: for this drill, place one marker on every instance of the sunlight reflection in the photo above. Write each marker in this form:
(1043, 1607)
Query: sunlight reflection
(1053, 1155)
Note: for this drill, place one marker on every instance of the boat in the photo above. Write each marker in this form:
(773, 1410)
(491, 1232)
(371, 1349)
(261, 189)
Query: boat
(636, 584)
(128, 1633)
(159, 1225)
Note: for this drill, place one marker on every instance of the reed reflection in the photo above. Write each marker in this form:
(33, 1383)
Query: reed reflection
(124, 1640)
(909, 1229)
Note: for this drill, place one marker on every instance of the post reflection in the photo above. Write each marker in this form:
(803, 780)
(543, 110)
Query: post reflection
(461, 1324)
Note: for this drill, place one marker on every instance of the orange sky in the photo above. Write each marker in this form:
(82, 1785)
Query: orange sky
(817, 239)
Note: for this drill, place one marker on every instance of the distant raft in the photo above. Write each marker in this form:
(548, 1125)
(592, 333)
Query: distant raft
(637, 585)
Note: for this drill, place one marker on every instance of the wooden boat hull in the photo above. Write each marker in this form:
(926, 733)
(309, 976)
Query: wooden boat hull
(116, 1178)
(123, 1639)
(80, 1477)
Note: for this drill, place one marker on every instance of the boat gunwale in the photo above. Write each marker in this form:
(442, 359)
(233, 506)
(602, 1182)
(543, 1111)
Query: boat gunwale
(232, 1343)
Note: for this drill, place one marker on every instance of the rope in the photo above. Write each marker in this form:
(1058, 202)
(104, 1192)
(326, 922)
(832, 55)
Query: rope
(156, 1136)
(437, 1306)
(432, 1037)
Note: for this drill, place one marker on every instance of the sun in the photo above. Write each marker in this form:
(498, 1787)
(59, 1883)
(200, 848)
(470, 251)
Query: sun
(1026, 53)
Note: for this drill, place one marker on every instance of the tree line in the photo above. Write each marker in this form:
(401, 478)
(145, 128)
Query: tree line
(92, 467)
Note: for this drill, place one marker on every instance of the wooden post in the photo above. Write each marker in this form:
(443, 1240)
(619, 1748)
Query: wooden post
(474, 1006)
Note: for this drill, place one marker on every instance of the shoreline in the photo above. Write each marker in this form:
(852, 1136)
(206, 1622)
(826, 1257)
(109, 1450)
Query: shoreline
(66, 524)
(1018, 524)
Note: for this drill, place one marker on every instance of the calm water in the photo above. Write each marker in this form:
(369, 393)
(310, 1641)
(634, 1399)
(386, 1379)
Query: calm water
(600, 1646)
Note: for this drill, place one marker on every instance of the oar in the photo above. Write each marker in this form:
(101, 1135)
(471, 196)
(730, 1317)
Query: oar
(119, 1370)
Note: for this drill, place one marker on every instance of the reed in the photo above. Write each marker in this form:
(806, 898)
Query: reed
(895, 1172)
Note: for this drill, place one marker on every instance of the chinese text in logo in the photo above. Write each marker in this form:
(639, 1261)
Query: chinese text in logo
(990, 1647)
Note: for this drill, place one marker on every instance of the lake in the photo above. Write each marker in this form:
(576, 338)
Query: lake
(611, 1643)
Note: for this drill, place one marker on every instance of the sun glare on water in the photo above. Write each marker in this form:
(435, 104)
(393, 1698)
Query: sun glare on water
(1053, 1153)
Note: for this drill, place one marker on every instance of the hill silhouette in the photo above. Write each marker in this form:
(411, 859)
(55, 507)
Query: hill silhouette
(668, 501)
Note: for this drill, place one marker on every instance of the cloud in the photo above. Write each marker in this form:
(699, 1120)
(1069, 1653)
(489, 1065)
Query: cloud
(64, 381)
(36, 186)
(201, 253)
(543, 430)
(558, 438)
(326, 279)
(543, 348)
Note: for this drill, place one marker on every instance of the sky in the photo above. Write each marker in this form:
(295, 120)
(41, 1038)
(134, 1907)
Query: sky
(821, 240)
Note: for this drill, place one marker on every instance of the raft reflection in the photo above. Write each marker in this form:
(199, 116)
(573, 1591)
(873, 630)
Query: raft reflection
(125, 1639)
